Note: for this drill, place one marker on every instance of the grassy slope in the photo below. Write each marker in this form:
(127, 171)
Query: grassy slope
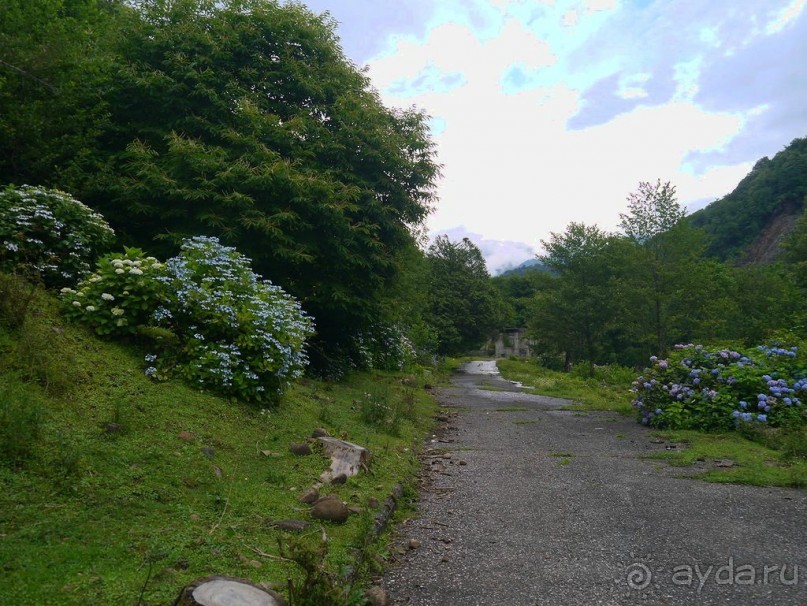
(91, 514)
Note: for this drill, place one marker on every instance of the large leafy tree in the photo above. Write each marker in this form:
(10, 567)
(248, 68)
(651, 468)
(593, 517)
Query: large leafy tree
(463, 306)
(573, 316)
(54, 59)
(667, 250)
(243, 119)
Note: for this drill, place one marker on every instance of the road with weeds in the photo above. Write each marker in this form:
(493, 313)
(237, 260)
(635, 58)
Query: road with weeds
(527, 503)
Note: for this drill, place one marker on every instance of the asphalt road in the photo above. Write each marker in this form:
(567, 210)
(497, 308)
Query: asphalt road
(530, 504)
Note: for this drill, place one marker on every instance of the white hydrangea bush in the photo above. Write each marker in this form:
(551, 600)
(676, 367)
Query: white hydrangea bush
(48, 234)
(119, 296)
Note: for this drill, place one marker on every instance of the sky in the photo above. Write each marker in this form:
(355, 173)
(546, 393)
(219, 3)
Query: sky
(546, 112)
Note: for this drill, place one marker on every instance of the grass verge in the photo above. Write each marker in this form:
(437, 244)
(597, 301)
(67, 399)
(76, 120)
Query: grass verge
(606, 390)
(115, 489)
(732, 458)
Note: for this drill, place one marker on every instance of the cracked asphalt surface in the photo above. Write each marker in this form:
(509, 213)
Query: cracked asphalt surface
(530, 504)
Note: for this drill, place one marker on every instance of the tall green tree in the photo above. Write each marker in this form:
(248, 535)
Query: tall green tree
(55, 59)
(666, 252)
(518, 292)
(464, 308)
(573, 316)
(243, 119)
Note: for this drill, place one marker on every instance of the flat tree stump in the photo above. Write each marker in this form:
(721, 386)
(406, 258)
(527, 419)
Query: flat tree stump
(346, 458)
(227, 591)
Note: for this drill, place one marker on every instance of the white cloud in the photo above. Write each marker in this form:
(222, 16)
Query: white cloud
(631, 87)
(500, 255)
(512, 170)
(786, 16)
(539, 123)
(594, 6)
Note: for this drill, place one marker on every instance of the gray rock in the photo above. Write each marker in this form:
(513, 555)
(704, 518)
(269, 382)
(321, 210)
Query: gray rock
(320, 432)
(310, 496)
(330, 509)
(300, 449)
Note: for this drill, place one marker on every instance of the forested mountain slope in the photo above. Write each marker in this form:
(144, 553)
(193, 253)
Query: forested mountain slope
(748, 224)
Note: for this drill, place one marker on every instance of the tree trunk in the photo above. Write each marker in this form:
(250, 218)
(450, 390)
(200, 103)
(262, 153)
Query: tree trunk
(227, 591)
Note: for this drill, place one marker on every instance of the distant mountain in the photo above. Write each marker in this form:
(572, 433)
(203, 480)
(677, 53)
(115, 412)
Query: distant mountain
(528, 266)
(748, 225)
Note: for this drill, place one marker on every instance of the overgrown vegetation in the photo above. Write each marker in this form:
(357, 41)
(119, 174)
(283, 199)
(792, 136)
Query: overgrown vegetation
(775, 186)
(606, 390)
(112, 483)
(619, 298)
(713, 390)
(49, 235)
(769, 458)
(240, 119)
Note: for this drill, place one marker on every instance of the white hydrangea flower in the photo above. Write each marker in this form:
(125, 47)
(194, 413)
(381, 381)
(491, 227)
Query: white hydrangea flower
(77, 303)
(117, 311)
(107, 297)
(90, 308)
(120, 270)
(136, 272)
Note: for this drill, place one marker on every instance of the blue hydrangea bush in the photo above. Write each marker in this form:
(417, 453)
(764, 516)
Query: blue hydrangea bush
(120, 296)
(722, 389)
(48, 234)
(237, 334)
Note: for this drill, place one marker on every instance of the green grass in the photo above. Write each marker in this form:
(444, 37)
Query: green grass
(754, 463)
(184, 484)
(607, 390)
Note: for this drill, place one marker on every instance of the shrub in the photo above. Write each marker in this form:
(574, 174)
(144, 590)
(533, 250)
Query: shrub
(236, 334)
(380, 410)
(49, 234)
(385, 347)
(119, 296)
(698, 388)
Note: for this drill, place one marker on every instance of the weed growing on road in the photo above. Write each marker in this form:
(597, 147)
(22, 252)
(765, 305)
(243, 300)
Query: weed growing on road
(606, 390)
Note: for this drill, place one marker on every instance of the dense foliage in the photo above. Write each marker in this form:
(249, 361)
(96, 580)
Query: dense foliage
(237, 334)
(702, 388)
(620, 298)
(463, 306)
(120, 296)
(221, 327)
(239, 119)
(49, 235)
(776, 186)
